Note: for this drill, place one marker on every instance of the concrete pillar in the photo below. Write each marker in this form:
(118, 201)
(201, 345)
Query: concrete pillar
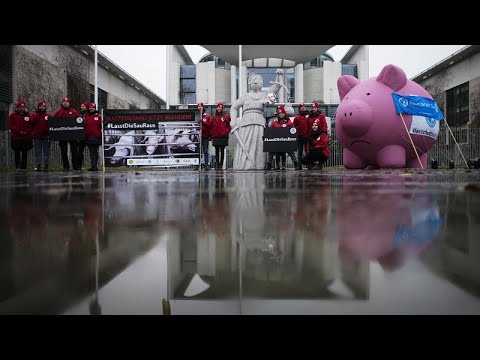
(299, 84)
(233, 83)
(245, 81)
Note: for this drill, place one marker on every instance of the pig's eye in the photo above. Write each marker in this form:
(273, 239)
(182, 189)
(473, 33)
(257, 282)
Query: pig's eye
(368, 93)
(346, 98)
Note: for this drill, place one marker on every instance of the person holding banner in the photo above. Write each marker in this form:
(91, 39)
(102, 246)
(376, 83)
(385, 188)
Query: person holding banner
(40, 136)
(67, 111)
(93, 134)
(21, 126)
(282, 121)
(219, 131)
(81, 144)
(206, 125)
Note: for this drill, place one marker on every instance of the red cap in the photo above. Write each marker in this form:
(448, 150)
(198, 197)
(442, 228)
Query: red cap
(66, 99)
(41, 103)
(315, 105)
(87, 104)
(21, 103)
(200, 104)
(282, 110)
(302, 104)
(220, 105)
(90, 105)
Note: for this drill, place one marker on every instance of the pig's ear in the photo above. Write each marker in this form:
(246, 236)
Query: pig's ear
(393, 77)
(346, 83)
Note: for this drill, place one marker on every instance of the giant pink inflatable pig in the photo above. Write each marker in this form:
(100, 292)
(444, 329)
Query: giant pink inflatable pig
(370, 131)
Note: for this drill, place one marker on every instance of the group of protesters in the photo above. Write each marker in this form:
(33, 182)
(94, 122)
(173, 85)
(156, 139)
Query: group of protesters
(30, 130)
(312, 136)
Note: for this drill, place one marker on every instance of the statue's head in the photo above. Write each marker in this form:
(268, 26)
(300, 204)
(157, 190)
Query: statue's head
(255, 81)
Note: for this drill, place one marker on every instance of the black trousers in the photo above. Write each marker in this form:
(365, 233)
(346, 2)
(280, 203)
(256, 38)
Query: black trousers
(73, 151)
(219, 154)
(93, 150)
(21, 159)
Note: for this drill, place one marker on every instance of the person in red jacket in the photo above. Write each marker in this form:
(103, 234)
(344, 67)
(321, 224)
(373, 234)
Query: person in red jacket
(316, 115)
(317, 147)
(21, 126)
(301, 124)
(67, 111)
(93, 134)
(81, 144)
(40, 136)
(282, 121)
(206, 124)
(219, 132)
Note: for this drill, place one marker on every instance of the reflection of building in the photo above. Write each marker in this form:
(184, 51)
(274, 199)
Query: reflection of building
(250, 244)
(459, 249)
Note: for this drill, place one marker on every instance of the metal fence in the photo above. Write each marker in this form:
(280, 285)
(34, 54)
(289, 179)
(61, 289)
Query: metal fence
(443, 151)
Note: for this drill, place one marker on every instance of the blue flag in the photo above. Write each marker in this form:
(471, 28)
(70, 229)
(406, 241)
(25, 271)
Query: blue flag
(417, 105)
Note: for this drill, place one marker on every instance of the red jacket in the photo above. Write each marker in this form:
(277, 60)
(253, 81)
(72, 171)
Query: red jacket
(301, 123)
(319, 144)
(206, 125)
(277, 124)
(93, 126)
(20, 125)
(40, 125)
(62, 112)
(220, 126)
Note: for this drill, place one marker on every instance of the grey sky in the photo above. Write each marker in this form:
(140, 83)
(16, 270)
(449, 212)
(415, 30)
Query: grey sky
(147, 62)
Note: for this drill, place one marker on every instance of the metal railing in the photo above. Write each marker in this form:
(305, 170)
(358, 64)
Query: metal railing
(443, 151)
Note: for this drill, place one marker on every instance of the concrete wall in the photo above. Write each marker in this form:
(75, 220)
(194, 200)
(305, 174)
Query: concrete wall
(332, 71)
(40, 72)
(222, 85)
(361, 58)
(313, 84)
(205, 73)
(467, 70)
(176, 60)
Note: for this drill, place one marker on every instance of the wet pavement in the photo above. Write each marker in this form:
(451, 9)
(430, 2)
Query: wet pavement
(225, 242)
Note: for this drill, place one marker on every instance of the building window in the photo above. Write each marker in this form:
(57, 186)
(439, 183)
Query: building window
(350, 69)
(188, 83)
(102, 97)
(458, 105)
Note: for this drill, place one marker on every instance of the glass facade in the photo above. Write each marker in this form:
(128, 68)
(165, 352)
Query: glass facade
(269, 74)
(458, 105)
(350, 69)
(188, 84)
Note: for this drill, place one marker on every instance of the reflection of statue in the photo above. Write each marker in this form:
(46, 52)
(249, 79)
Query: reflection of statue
(249, 129)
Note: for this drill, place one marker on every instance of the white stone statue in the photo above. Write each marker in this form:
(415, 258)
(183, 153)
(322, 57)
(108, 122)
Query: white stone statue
(249, 129)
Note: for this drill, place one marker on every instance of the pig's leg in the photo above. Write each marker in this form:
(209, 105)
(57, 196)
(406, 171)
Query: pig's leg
(352, 161)
(413, 163)
(391, 156)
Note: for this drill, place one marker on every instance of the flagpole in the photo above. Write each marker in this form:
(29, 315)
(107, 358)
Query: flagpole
(456, 143)
(103, 143)
(96, 76)
(411, 141)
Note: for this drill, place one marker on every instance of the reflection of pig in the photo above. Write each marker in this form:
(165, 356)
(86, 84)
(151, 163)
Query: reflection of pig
(152, 139)
(123, 148)
(369, 129)
(379, 222)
